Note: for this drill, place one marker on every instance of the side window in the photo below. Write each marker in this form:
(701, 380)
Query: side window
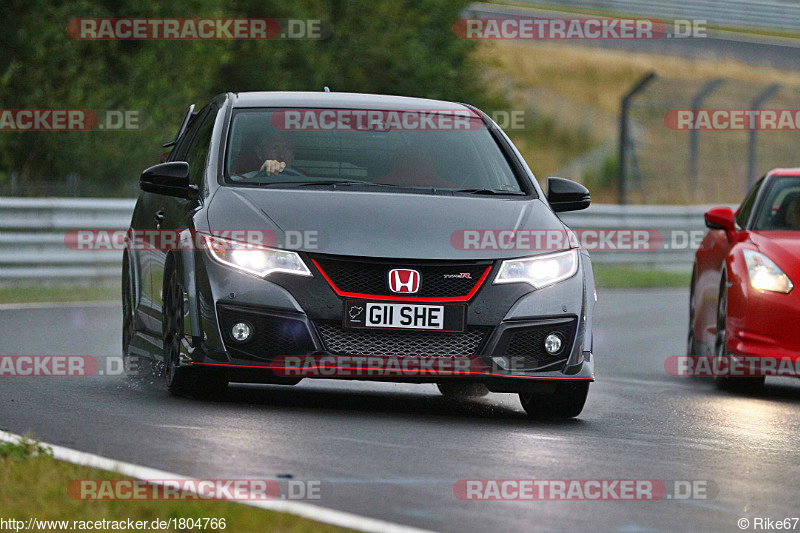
(197, 154)
(747, 206)
(186, 138)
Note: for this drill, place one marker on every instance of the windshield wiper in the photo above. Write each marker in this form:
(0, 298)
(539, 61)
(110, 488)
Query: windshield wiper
(490, 191)
(344, 182)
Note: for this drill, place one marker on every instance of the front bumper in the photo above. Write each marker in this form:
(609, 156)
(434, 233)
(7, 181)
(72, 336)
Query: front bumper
(303, 316)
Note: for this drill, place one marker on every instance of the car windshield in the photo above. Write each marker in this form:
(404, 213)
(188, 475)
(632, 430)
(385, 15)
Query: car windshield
(781, 209)
(403, 149)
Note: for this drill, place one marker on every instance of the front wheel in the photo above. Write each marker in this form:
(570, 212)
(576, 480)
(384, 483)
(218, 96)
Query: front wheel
(566, 401)
(732, 384)
(181, 380)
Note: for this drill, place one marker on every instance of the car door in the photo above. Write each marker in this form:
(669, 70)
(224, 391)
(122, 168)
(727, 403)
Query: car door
(174, 214)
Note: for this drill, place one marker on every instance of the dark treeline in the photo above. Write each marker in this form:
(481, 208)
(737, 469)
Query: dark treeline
(404, 47)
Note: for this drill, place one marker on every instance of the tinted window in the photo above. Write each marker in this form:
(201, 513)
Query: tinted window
(747, 206)
(262, 149)
(198, 150)
(781, 207)
(183, 143)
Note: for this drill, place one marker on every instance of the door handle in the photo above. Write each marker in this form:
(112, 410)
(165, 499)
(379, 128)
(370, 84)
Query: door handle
(159, 219)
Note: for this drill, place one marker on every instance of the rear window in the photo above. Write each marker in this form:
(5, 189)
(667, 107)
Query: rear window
(414, 149)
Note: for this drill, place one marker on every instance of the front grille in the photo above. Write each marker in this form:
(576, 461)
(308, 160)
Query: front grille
(342, 341)
(372, 277)
(526, 344)
(274, 334)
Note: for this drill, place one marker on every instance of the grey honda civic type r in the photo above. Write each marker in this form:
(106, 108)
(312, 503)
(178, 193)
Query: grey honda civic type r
(292, 235)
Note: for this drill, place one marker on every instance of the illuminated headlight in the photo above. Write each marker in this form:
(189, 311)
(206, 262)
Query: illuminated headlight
(764, 274)
(254, 259)
(539, 271)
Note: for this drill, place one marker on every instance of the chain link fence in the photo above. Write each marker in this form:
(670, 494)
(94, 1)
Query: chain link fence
(659, 164)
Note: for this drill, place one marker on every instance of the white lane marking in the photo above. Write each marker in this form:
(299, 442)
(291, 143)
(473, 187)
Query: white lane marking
(389, 444)
(58, 305)
(168, 426)
(306, 510)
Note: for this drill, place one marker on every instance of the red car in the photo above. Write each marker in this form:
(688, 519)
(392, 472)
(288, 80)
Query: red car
(743, 302)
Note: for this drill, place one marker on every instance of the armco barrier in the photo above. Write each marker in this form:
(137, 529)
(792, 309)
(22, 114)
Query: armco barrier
(32, 236)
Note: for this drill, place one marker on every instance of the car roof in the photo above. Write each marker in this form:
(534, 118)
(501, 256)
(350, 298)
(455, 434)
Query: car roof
(785, 172)
(339, 101)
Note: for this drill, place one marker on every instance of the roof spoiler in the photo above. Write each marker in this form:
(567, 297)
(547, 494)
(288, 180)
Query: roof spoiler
(189, 114)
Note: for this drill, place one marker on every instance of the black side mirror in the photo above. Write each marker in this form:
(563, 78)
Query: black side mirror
(170, 179)
(566, 195)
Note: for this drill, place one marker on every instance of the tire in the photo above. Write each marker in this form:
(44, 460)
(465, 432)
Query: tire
(566, 401)
(462, 390)
(180, 380)
(732, 384)
(691, 345)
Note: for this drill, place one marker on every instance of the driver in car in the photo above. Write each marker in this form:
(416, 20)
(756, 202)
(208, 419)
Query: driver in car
(271, 155)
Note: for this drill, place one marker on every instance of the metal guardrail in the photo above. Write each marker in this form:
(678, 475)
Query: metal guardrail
(32, 231)
(767, 14)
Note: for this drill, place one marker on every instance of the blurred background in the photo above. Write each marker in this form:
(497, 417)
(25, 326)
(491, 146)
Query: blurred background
(569, 93)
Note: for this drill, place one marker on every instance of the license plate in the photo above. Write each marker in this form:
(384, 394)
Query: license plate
(397, 315)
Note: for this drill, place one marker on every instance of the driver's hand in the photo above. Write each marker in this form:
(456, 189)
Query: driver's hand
(272, 167)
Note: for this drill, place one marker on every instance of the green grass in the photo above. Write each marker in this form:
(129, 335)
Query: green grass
(34, 485)
(12, 294)
(608, 277)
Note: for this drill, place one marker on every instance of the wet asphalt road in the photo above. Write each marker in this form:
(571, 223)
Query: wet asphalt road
(394, 452)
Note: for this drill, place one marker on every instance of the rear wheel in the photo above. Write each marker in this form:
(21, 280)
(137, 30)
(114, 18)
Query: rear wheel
(179, 379)
(566, 401)
(462, 390)
(734, 384)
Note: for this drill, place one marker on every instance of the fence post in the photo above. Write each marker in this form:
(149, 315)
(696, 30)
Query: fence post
(623, 133)
(756, 103)
(697, 101)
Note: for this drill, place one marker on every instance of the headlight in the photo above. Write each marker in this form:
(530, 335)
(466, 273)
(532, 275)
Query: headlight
(764, 274)
(254, 259)
(539, 271)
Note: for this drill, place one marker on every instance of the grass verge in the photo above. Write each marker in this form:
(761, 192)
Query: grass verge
(616, 277)
(34, 485)
(14, 294)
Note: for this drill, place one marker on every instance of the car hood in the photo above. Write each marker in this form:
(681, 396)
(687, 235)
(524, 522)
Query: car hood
(378, 224)
(783, 247)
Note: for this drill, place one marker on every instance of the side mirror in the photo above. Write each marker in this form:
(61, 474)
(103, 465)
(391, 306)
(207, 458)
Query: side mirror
(566, 195)
(170, 179)
(722, 218)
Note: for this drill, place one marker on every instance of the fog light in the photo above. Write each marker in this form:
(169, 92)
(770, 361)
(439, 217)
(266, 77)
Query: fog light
(552, 343)
(241, 331)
